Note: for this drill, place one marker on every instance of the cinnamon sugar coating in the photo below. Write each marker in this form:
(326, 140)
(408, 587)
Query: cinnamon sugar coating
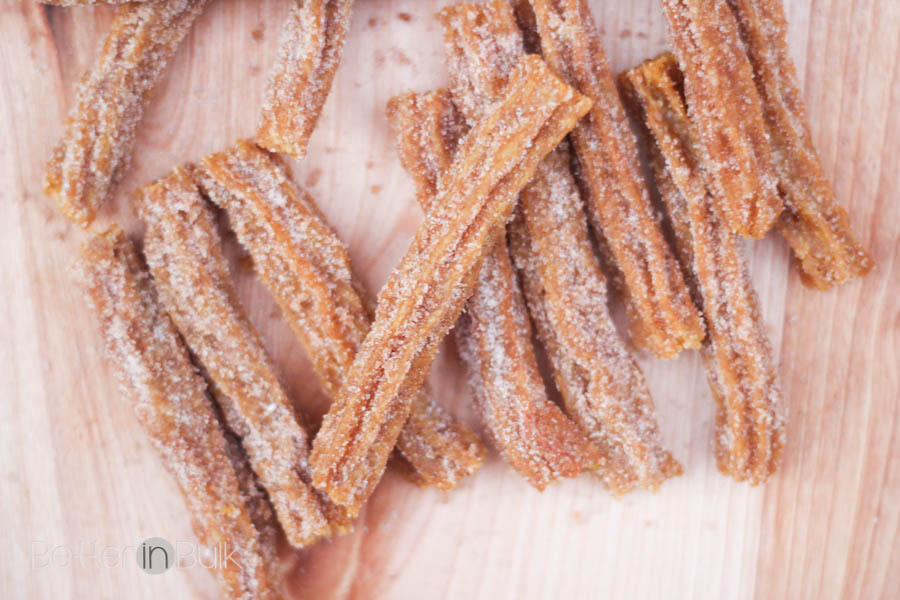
(185, 257)
(170, 400)
(425, 294)
(307, 269)
(602, 386)
(493, 335)
(312, 41)
(661, 316)
(737, 356)
(815, 226)
(727, 114)
(96, 147)
(603, 389)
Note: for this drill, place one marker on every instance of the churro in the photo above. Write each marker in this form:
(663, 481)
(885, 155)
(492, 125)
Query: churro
(727, 113)
(306, 268)
(493, 335)
(426, 293)
(737, 356)
(96, 147)
(661, 316)
(184, 253)
(602, 386)
(815, 226)
(170, 400)
(312, 42)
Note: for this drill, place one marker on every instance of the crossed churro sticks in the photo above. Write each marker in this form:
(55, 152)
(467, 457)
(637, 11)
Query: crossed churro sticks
(306, 268)
(493, 335)
(602, 387)
(426, 293)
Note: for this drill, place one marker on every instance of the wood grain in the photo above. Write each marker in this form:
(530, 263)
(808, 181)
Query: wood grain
(77, 469)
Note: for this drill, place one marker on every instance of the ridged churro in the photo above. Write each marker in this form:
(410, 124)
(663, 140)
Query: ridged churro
(307, 270)
(312, 42)
(493, 335)
(184, 253)
(425, 294)
(170, 400)
(737, 356)
(726, 111)
(602, 387)
(96, 147)
(661, 315)
(813, 223)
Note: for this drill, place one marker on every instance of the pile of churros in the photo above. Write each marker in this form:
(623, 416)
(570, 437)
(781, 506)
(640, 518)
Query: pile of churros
(536, 214)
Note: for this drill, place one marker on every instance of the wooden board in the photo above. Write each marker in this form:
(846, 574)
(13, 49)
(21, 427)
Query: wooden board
(77, 472)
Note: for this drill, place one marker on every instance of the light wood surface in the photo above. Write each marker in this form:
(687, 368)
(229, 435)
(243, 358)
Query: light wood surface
(77, 471)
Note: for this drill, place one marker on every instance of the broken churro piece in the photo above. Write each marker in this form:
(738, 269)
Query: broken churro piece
(312, 42)
(661, 315)
(185, 256)
(440, 448)
(726, 111)
(493, 335)
(425, 294)
(96, 147)
(170, 401)
(813, 223)
(602, 386)
(737, 356)
(307, 269)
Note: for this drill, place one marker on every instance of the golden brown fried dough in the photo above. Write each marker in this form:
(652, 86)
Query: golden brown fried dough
(312, 42)
(426, 293)
(662, 317)
(603, 389)
(737, 356)
(726, 111)
(493, 335)
(96, 147)
(307, 269)
(813, 223)
(170, 401)
(185, 257)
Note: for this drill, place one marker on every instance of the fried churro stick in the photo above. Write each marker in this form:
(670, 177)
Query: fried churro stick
(737, 356)
(727, 113)
(170, 400)
(814, 225)
(307, 269)
(493, 335)
(425, 294)
(440, 448)
(661, 315)
(603, 389)
(185, 257)
(96, 147)
(312, 42)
